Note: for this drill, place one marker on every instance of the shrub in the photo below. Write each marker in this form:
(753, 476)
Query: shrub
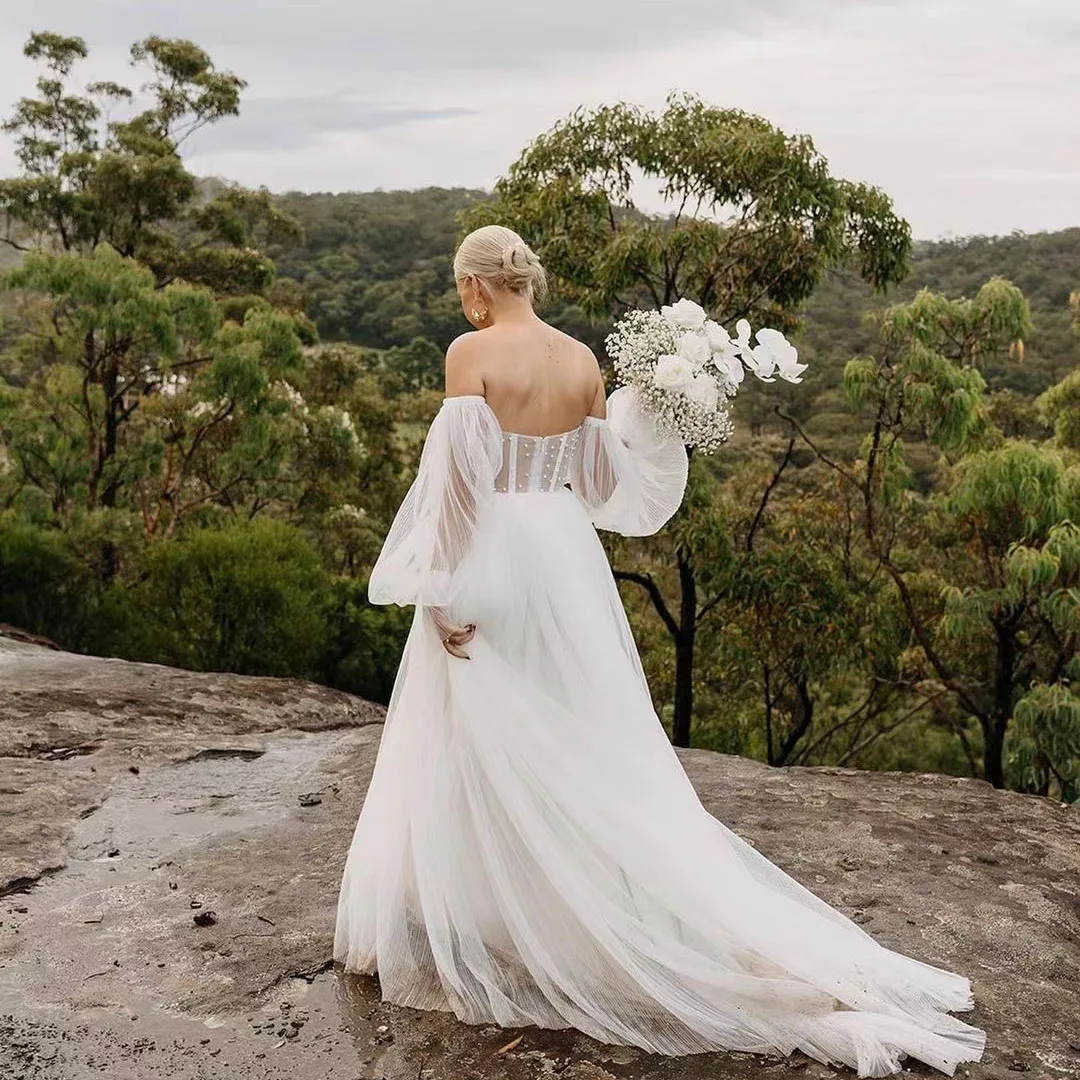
(249, 599)
(365, 643)
(43, 587)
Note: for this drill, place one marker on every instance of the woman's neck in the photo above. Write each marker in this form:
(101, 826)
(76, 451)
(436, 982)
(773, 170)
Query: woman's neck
(513, 309)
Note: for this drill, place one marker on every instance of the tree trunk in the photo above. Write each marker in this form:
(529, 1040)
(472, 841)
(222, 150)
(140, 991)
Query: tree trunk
(804, 717)
(684, 652)
(998, 722)
(110, 556)
(112, 426)
(993, 753)
(767, 683)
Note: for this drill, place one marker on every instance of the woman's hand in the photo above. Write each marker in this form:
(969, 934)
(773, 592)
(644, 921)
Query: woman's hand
(453, 637)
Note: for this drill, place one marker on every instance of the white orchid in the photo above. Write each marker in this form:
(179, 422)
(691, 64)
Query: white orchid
(686, 368)
(741, 341)
(762, 363)
(725, 353)
(694, 346)
(757, 358)
(685, 315)
(673, 372)
(704, 391)
(774, 353)
(729, 365)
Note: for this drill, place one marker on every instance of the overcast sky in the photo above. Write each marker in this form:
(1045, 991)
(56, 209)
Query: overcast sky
(966, 111)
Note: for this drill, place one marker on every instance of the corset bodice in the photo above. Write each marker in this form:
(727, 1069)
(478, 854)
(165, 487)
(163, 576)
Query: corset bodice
(537, 462)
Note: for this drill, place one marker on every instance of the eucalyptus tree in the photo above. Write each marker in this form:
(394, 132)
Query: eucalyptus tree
(1007, 642)
(121, 394)
(136, 281)
(1059, 406)
(986, 572)
(753, 220)
(87, 179)
(1043, 753)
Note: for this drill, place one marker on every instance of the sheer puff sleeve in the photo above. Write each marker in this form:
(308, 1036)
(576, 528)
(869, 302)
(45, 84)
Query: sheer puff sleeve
(630, 478)
(433, 528)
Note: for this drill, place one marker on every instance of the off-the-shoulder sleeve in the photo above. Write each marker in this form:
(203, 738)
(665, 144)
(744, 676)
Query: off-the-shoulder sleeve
(433, 528)
(630, 478)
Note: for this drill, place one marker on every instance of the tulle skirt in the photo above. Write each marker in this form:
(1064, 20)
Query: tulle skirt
(531, 851)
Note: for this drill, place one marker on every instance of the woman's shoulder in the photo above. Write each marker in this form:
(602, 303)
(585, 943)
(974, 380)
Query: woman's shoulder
(464, 365)
(465, 347)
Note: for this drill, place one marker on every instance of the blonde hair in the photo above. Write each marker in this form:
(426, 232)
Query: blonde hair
(501, 259)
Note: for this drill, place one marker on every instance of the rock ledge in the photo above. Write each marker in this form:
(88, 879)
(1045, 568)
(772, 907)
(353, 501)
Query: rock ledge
(172, 842)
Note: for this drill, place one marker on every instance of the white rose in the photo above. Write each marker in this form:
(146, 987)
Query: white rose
(685, 315)
(694, 346)
(673, 373)
(703, 391)
(719, 339)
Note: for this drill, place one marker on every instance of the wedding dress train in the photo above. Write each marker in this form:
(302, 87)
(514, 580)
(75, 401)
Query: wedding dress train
(530, 850)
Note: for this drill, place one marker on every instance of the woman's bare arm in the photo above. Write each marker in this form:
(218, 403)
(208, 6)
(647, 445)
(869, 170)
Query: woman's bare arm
(598, 408)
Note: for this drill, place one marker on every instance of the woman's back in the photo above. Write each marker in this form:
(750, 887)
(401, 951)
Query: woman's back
(537, 380)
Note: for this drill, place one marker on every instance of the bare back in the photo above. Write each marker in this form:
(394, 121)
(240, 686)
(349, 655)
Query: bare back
(537, 380)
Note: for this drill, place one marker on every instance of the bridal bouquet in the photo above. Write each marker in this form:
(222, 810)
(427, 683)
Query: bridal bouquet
(686, 368)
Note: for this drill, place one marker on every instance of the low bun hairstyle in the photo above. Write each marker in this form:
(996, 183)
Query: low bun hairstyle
(499, 257)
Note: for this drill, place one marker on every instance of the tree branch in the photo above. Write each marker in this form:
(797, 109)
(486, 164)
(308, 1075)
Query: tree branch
(766, 493)
(813, 446)
(653, 590)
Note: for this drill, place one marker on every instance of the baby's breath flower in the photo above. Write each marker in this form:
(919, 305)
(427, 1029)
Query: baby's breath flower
(665, 356)
(636, 344)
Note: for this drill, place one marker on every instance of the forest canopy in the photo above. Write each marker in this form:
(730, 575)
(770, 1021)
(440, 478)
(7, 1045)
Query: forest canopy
(212, 400)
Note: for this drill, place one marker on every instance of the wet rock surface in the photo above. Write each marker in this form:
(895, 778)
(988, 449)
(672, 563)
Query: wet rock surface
(137, 801)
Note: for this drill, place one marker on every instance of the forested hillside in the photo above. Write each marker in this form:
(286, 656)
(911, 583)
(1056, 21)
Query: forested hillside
(375, 268)
(408, 307)
(212, 400)
(1045, 268)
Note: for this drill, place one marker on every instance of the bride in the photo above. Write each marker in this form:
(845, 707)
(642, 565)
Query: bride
(530, 850)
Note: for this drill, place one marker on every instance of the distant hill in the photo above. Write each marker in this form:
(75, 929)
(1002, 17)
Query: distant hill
(376, 270)
(376, 267)
(1046, 266)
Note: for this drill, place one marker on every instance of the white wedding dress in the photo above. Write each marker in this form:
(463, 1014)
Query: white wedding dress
(530, 850)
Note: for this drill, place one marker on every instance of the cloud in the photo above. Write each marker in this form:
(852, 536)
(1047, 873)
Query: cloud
(1018, 176)
(958, 108)
(368, 37)
(276, 124)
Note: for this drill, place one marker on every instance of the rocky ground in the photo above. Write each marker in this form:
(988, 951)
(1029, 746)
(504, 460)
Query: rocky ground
(170, 851)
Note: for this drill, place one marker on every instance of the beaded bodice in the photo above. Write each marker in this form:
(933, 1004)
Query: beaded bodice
(537, 462)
